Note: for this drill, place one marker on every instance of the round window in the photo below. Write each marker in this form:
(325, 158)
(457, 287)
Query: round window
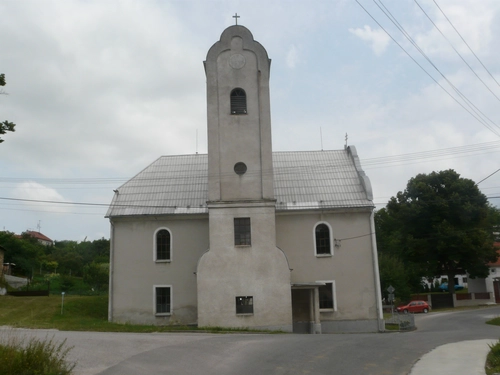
(240, 168)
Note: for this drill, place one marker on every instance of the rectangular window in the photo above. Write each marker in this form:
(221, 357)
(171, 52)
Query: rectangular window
(327, 296)
(244, 305)
(163, 300)
(242, 231)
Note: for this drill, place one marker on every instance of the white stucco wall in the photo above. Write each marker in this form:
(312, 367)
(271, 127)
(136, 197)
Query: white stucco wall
(134, 270)
(252, 270)
(260, 270)
(480, 285)
(350, 266)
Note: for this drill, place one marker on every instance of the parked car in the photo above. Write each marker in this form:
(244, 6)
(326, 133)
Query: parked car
(413, 307)
(444, 287)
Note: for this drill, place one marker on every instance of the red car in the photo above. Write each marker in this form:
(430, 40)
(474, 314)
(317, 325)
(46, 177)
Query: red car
(414, 306)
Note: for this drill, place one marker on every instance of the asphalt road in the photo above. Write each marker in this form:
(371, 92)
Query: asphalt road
(196, 353)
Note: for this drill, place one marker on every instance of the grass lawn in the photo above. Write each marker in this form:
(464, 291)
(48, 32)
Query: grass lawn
(494, 321)
(80, 313)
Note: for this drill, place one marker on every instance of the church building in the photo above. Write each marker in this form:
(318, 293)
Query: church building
(244, 236)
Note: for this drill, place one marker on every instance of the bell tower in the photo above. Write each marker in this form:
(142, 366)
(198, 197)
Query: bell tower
(244, 279)
(239, 118)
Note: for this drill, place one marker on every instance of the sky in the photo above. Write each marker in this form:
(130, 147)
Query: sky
(100, 89)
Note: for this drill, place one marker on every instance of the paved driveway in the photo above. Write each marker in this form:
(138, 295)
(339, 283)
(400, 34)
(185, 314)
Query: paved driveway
(195, 353)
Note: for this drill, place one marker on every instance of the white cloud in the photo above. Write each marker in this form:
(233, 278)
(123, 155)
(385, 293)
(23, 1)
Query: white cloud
(39, 197)
(378, 39)
(473, 19)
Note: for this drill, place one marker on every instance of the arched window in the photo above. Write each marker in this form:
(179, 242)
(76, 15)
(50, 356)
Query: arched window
(238, 102)
(323, 239)
(163, 243)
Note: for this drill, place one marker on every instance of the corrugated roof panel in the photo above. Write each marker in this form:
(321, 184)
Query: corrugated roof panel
(302, 180)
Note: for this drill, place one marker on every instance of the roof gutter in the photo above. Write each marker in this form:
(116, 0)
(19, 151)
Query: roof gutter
(376, 274)
(363, 178)
(111, 273)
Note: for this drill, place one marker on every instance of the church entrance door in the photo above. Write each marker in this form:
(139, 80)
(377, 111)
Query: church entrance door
(305, 309)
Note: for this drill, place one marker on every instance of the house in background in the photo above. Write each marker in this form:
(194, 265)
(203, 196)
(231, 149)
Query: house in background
(43, 239)
(460, 280)
(244, 236)
(490, 284)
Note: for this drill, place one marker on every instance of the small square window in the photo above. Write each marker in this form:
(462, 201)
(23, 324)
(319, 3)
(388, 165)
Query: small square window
(244, 305)
(242, 231)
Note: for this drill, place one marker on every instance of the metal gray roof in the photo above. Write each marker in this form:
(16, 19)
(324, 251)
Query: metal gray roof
(302, 180)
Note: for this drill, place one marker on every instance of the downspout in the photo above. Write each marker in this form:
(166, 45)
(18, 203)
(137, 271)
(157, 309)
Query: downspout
(378, 292)
(111, 273)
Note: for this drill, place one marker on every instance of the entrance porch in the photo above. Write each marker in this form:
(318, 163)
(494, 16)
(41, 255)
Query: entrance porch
(305, 308)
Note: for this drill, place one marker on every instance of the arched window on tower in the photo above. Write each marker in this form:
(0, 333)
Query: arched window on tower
(238, 102)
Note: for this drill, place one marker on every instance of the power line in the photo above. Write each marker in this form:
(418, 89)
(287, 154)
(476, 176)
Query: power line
(389, 161)
(425, 71)
(458, 53)
(477, 183)
(470, 49)
(136, 205)
(471, 105)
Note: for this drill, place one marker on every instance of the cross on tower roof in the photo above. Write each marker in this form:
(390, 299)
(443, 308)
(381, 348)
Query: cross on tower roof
(236, 17)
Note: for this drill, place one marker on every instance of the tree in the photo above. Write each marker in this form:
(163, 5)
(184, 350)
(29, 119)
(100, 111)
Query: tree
(96, 275)
(393, 273)
(5, 126)
(441, 224)
(404, 275)
(25, 252)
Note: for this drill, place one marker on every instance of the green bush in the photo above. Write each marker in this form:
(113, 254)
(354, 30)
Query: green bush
(96, 275)
(23, 356)
(67, 283)
(493, 359)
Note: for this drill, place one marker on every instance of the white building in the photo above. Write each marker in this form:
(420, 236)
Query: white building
(244, 236)
(490, 284)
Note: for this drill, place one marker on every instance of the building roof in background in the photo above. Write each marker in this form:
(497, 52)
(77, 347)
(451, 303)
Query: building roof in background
(302, 180)
(39, 236)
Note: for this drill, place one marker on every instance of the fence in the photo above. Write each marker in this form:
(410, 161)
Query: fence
(34, 292)
(446, 300)
(405, 322)
(30, 293)
(439, 301)
(473, 299)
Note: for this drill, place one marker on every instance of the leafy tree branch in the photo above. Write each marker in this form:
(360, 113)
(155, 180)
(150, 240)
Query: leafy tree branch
(5, 126)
